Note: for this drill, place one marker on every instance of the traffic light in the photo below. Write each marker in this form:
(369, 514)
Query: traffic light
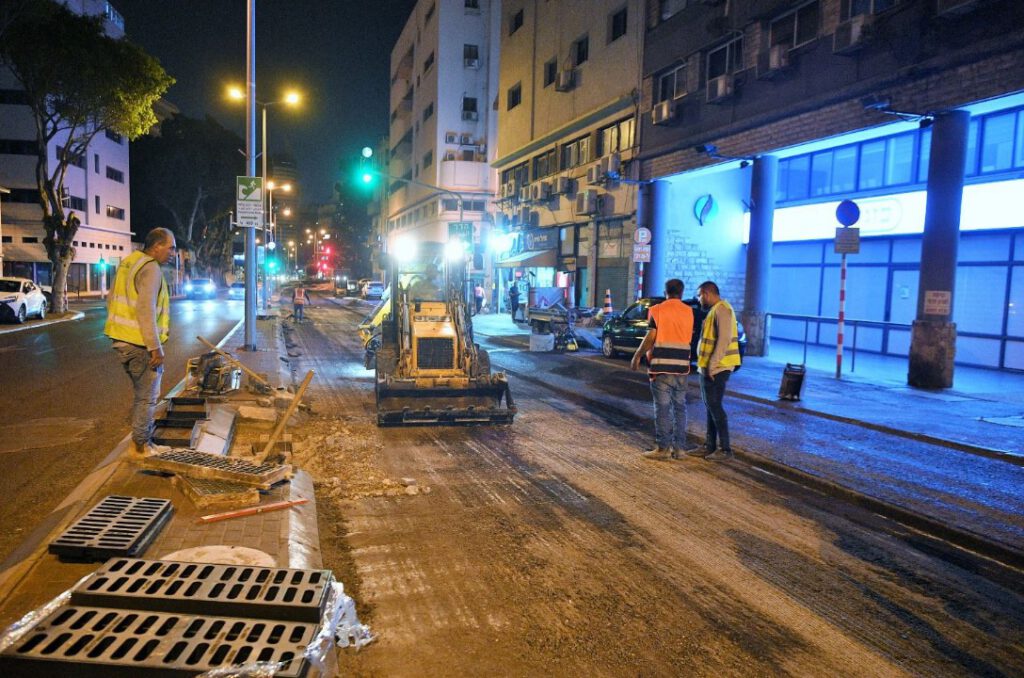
(367, 175)
(271, 265)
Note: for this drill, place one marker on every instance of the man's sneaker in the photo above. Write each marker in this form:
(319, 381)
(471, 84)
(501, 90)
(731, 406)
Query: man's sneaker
(720, 455)
(695, 451)
(658, 454)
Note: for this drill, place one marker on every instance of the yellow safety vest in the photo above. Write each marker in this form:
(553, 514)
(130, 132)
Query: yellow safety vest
(122, 323)
(709, 335)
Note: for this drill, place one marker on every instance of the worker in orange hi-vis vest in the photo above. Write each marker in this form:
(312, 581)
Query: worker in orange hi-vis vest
(299, 300)
(667, 348)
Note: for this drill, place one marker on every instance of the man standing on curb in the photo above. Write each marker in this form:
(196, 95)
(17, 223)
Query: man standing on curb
(138, 320)
(299, 303)
(719, 356)
(668, 340)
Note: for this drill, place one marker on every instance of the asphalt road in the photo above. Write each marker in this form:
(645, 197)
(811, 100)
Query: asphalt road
(64, 403)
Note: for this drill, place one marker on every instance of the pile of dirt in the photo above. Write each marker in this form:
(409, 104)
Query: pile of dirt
(343, 455)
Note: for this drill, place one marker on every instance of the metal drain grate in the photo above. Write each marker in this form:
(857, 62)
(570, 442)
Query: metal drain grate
(90, 641)
(117, 526)
(187, 408)
(208, 493)
(215, 467)
(201, 588)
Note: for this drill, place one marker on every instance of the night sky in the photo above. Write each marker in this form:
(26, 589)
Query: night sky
(336, 51)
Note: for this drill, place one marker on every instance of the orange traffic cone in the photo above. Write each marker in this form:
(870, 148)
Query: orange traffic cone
(607, 302)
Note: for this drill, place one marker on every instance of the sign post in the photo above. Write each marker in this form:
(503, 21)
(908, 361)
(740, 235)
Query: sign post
(249, 215)
(847, 242)
(641, 255)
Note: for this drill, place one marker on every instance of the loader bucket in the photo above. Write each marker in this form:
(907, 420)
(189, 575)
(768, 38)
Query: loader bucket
(402, 403)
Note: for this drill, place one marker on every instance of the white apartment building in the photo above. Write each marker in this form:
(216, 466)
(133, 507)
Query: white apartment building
(97, 186)
(443, 76)
(567, 107)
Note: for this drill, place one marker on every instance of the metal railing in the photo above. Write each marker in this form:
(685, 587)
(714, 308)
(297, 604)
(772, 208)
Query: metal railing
(822, 320)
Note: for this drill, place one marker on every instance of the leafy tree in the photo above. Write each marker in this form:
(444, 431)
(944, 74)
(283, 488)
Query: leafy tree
(79, 82)
(184, 179)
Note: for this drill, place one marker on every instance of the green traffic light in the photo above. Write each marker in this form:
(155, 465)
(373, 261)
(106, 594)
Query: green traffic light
(367, 177)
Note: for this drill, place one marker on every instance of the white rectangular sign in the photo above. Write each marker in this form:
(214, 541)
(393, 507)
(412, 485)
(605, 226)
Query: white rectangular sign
(641, 253)
(847, 240)
(937, 302)
(249, 202)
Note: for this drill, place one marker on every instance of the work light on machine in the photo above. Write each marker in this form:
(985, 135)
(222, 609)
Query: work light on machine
(405, 248)
(455, 250)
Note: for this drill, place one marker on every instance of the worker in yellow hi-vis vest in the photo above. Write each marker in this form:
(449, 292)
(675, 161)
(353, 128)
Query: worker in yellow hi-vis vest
(138, 322)
(718, 357)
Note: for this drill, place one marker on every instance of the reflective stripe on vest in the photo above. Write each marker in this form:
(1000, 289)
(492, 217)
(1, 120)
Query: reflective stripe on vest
(673, 322)
(300, 296)
(122, 322)
(709, 335)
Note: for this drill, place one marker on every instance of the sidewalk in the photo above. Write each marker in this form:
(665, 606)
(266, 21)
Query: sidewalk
(32, 576)
(960, 467)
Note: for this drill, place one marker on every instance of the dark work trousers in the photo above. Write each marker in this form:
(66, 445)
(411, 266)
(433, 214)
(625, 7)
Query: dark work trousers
(712, 391)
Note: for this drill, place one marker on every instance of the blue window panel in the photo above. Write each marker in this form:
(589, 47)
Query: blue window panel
(1018, 154)
(844, 170)
(977, 351)
(783, 328)
(984, 247)
(903, 296)
(976, 288)
(925, 154)
(795, 290)
(872, 164)
(872, 251)
(899, 160)
(899, 342)
(971, 168)
(1015, 310)
(1018, 250)
(782, 181)
(799, 177)
(1014, 355)
(868, 338)
(997, 142)
(796, 253)
(906, 250)
(821, 173)
(865, 293)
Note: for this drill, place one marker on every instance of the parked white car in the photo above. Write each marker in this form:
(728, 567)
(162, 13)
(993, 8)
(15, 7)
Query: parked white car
(20, 298)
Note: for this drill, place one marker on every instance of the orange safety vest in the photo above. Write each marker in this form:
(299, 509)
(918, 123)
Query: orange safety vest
(673, 321)
(300, 296)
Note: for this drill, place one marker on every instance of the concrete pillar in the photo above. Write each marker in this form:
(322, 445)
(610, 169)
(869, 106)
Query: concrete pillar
(595, 297)
(759, 253)
(933, 337)
(654, 210)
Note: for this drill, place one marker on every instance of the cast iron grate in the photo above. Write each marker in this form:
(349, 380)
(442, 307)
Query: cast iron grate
(117, 526)
(212, 466)
(202, 588)
(206, 493)
(187, 408)
(91, 641)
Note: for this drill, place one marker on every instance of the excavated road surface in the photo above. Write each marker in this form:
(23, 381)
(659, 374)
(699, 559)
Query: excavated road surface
(551, 547)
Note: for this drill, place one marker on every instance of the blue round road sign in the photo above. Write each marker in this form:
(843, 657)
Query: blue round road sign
(847, 213)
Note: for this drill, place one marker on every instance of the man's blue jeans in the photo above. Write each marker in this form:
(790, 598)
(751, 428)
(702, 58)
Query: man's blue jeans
(146, 383)
(712, 391)
(669, 410)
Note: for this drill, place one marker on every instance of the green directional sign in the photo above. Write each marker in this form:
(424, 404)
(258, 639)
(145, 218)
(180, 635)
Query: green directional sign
(249, 201)
(461, 229)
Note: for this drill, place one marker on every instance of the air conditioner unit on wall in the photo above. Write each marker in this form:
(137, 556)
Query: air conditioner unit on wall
(523, 215)
(954, 7)
(508, 190)
(540, 190)
(471, 63)
(563, 186)
(524, 194)
(610, 165)
(594, 175)
(449, 155)
(451, 137)
(466, 140)
(663, 112)
(564, 80)
(470, 115)
(849, 35)
(773, 62)
(587, 202)
(720, 88)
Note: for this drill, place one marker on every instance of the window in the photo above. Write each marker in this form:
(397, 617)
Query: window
(96, 200)
(550, 72)
(20, 195)
(852, 8)
(515, 95)
(115, 174)
(30, 239)
(428, 111)
(515, 22)
(545, 164)
(899, 160)
(617, 137)
(6, 238)
(75, 160)
(617, 25)
(473, 4)
(872, 162)
(114, 213)
(96, 162)
(471, 53)
(671, 85)
(797, 27)
(428, 159)
(726, 59)
(997, 142)
(430, 13)
(469, 110)
(18, 147)
(77, 203)
(576, 153)
(581, 51)
(670, 7)
(428, 62)
(114, 136)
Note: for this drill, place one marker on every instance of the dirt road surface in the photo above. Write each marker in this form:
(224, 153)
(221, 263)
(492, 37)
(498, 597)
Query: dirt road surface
(551, 548)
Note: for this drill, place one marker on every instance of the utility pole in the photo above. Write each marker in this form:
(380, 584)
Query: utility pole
(250, 157)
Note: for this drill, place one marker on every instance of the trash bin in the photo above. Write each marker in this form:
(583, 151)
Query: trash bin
(792, 382)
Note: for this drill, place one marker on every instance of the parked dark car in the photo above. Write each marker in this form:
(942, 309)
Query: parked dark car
(623, 333)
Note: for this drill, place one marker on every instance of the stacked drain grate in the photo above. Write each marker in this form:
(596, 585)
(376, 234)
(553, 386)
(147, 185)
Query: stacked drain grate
(117, 526)
(216, 467)
(182, 619)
